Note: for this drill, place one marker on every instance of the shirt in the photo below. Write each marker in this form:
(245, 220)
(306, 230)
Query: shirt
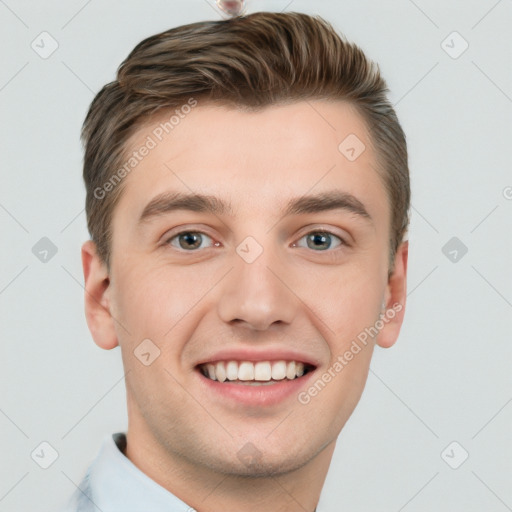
(114, 484)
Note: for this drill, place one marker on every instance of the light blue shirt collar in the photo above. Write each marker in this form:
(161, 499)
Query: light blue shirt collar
(114, 484)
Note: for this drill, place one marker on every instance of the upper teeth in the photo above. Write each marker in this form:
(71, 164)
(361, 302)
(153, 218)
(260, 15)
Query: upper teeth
(246, 370)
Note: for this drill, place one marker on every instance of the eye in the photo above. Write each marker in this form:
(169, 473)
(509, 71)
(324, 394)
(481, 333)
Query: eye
(320, 240)
(189, 240)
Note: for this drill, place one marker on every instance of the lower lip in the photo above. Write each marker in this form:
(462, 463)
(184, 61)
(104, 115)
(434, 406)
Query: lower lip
(251, 395)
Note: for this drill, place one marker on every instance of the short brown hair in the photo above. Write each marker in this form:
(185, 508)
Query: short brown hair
(249, 61)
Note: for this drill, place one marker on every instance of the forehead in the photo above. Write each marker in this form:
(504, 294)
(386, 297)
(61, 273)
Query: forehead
(253, 159)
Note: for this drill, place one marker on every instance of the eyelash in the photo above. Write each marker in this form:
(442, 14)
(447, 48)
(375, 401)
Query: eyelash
(316, 232)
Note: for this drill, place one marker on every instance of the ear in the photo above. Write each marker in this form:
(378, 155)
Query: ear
(396, 295)
(97, 304)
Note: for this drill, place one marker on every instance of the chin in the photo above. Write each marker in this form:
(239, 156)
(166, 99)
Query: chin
(253, 462)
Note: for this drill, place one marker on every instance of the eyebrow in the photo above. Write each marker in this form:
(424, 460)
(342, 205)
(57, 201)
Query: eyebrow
(323, 201)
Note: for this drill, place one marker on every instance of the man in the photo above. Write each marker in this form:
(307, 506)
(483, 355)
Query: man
(247, 199)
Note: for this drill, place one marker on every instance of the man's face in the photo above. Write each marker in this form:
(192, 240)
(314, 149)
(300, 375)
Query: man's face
(252, 282)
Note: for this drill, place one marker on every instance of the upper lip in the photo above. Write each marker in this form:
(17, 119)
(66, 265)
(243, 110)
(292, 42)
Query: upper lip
(260, 354)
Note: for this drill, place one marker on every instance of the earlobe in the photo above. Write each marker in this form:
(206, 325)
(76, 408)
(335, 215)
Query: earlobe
(97, 304)
(396, 294)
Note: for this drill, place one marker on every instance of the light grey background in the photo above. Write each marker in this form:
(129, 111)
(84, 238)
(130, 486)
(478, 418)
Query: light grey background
(447, 379)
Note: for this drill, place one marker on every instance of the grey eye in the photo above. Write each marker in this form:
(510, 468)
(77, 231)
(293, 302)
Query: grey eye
(321, 240)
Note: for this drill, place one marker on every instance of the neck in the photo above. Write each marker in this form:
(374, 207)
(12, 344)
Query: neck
(207, 490)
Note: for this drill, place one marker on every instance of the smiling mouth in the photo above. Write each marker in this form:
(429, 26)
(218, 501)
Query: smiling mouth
(255, 373)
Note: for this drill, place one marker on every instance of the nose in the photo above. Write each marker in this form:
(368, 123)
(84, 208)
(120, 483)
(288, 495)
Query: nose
(258, 294)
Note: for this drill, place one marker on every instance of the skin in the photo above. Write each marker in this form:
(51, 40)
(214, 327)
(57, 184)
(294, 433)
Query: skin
(191, 304)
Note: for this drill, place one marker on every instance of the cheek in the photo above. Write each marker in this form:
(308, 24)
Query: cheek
(353, 307)
(337, 390)
(158, 302)
(147, 301)
(347, 303)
